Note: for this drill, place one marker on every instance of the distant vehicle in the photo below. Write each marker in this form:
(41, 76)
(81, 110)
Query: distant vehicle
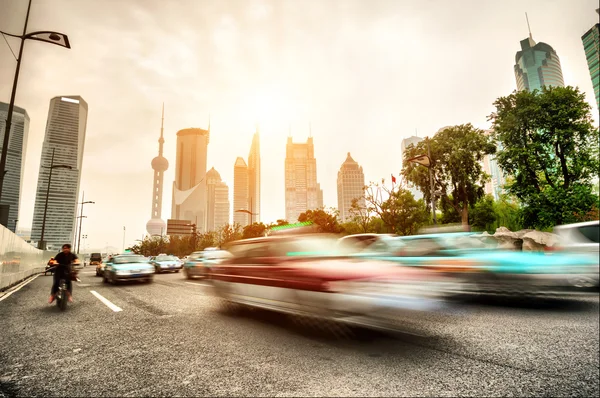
(127, 267)
(359, 242)
(164, 263)
(581, 239)
(199, 263)
(96, 261)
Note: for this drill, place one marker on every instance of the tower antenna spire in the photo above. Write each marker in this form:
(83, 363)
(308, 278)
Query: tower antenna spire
(528, 26)
(162, 121)
(209, 122)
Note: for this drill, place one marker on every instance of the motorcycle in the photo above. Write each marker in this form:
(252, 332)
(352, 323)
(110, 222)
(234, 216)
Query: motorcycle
(62, 295)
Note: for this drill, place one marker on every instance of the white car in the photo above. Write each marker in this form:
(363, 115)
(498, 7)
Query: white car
(581, 239)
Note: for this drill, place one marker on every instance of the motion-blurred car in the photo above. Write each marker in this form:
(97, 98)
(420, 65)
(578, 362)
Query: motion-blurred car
(301, 275)
(485, 269)
(127, 267)
(164, 263)
(199, 263)
(359, 242)
(581, 239)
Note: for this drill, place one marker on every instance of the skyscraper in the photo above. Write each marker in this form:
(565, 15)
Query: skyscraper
(591, 46)
(156, 225)
(406, 142)
(218, 201)
(240, 192)
(302, 192)
(495, 186)
(65, 134)
(15, 161)
(189, 187)
(350, 186)
(254, 177)
(537, 65)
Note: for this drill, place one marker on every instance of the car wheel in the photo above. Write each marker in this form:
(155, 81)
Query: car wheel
(187, 274)
(177, 270)
(104, 279)
(157, 270)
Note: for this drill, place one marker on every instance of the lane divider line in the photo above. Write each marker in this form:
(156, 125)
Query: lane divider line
(198, 284)
(18, 287)
(106, 301)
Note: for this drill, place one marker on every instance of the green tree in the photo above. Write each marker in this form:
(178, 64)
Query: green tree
(396, 208)
(508, 214)
(456, 155)
(360, 215)
(326, 221)
(483, 214)
(255, 230)
(229, 233)
(207, 239)
(548, 143)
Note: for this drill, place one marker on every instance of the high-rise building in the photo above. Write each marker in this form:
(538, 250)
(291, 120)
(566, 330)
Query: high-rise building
(189, 187)
(240, 193)
(591, 45)
(350, 186)
(218, 201)
(254, 177)
(156, 225)
(15, 160)
(495, 185)
(406, 142)
(302, 192)
(65, 137)
(537, 65)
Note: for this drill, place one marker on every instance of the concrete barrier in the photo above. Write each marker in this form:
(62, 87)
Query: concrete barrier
(18, 259)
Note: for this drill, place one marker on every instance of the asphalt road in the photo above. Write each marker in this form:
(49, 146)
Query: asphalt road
(172, 337)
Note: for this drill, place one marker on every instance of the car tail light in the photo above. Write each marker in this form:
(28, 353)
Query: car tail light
(551, 249)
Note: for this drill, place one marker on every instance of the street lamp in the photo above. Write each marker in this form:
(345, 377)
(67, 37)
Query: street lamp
(248, 212)
(59, 39)
(42, 243)
(425, 160)
(81, 217)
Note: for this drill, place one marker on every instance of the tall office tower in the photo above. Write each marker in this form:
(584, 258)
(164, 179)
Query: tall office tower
(189, 187)
(350, 186)
(218, 201)
(302, 192)
(156, 225)
(537, 65)
(240, 193)
(406, 142)
(254, 177)
(65, 137)
(495, 186)
(591, 46)
(15, 161)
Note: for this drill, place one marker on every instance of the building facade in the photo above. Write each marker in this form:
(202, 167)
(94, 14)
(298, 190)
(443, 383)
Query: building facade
(406, 142)
(254, 177)
(350, 186)
(189, 187)
(65, 137)
(591, 46)
(240, 192)
(156, 225)
(302, 191)
(15, 160)
(218, 201)
(537, 65)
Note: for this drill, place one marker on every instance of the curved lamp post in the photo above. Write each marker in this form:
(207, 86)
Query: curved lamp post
(248, 212)
(42, 243)
(59, 39)
(81, 217)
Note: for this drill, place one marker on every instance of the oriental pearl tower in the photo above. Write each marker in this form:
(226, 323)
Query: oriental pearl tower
(156, 225)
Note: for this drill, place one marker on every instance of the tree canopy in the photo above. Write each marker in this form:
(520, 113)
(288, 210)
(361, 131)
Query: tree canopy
(326, 221)
(548, 144)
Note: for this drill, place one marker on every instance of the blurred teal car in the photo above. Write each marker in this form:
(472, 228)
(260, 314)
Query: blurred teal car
(198, 264)
(484, 268)
(127, 268)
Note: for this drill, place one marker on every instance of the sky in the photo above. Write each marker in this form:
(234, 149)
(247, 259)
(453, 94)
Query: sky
(363, 74)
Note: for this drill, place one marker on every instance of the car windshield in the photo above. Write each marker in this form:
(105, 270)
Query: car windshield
(166, 258)
(129, 259)
(195, 256)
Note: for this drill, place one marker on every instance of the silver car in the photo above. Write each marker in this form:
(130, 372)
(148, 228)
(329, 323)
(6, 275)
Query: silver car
(581, 239)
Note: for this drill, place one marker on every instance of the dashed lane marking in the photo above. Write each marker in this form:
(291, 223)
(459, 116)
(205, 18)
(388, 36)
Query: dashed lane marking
(198, 284)
(18, 287)
(106, 301)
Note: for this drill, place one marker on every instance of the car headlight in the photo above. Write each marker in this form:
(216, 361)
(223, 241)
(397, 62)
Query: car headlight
(122, 272)
(148, 271)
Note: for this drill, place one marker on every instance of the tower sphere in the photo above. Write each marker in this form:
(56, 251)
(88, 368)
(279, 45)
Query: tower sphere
(160, 163)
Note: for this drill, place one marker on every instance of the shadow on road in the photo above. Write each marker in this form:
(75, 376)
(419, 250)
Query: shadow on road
(536, 304)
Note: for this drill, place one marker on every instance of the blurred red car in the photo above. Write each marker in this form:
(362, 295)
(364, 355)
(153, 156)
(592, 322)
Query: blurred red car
(303, 275)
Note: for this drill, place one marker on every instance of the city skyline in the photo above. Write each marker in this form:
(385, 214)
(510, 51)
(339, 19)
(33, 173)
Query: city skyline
(361, 98)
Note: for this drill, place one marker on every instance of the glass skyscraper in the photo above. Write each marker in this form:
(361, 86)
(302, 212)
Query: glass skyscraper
(15, 161)
(592, 54)
(537, 65)
(65, 135)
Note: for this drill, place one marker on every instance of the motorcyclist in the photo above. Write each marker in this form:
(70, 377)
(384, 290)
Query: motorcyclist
(64, 259)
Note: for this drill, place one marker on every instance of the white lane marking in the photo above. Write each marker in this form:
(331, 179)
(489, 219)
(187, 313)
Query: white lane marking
(198, 284)
(105, 301)
(18, 287)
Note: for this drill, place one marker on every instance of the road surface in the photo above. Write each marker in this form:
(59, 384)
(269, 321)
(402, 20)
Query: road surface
(172, 337)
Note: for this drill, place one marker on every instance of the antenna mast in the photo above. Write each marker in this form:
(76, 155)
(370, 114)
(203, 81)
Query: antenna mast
(528, 27)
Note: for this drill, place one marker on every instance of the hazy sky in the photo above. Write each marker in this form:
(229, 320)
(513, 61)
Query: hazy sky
(366, 74)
